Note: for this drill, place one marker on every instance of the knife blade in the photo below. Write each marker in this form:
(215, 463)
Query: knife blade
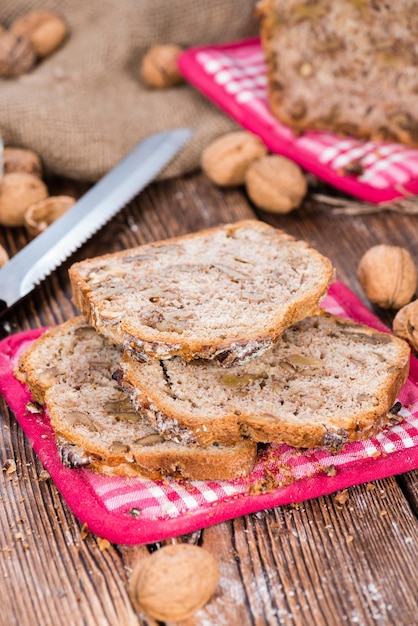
(111, 193)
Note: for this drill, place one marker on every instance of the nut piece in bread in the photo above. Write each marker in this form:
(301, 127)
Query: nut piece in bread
(225, 293)
(326, 381)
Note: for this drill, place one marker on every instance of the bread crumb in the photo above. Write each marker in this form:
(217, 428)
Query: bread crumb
(267, 484)
(34, 408)
(9, 466)
(342, 497)
(103, 544)
(44, 476)
(331, 470)
(84, 532)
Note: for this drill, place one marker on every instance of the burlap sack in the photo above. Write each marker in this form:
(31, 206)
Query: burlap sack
(83, 108)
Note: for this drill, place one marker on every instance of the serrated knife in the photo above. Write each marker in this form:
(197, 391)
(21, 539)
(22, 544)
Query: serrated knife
(48, 250)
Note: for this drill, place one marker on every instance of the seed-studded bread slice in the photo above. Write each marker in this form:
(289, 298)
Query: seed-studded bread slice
(69, 369)
(225, 293)
(329, 65)
(325, 382)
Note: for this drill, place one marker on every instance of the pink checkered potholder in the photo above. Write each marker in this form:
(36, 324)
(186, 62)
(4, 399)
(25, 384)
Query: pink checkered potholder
(233, 76)
(137, 510)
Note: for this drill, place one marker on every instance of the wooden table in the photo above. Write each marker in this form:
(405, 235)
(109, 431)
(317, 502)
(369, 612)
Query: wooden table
(291, 565)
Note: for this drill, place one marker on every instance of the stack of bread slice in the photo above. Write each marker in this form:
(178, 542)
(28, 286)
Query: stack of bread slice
(193, 351)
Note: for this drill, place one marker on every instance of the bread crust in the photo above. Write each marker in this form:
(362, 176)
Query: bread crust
(262, 323)
(168, 461)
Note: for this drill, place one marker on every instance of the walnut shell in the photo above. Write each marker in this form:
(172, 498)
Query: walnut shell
(226, 160)
(16, 55)
(40, 215)
(276, 184)
(159, 66)
(20, 160)
(405, 324)
(17, 191)
(4, 257)
(388, 276)
(45, 31)
(174, 582)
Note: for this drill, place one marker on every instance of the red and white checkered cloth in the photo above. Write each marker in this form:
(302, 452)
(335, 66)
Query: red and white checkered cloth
(137, 510)
(234, 77)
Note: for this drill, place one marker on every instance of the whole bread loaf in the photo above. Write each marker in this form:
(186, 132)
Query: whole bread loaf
(70, 370)
(350, 67)
(225, 293)
(327, 381)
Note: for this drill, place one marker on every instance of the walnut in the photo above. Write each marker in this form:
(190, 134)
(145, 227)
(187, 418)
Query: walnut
(45, 31)
(388, 276)
(17, 191)
(276, 184)
(174, 582)
(4, 257)
(226, 160)
(159, 66)
(40, 215)
(20, 160)
(16, 55)
(405, 324)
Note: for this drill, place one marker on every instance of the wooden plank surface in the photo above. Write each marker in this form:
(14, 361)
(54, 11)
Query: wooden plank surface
(317, 563)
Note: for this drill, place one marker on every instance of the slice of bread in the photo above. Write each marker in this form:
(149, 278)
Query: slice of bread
(70, 370)
(327, 381)
(329, 65)
(225, 293)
